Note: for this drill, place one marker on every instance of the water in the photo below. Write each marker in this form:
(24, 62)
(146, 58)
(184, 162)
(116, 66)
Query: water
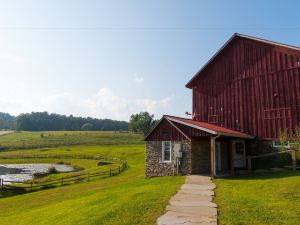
(23, 172)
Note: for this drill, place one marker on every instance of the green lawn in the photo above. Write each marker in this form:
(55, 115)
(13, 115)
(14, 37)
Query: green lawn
(127, 198)
(260, 199)
(28, 140)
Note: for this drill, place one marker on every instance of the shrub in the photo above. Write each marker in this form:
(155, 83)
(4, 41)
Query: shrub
(52, 170)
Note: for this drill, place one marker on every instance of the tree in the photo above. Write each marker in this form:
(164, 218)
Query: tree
(141, 123)
(87, 126)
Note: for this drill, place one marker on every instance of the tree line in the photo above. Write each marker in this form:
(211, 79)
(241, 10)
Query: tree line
(142, 122)
(41, 121)
(7, 121)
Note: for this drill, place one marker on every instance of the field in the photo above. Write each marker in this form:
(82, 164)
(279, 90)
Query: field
(28, 140)
(261, 199)
(127, 198)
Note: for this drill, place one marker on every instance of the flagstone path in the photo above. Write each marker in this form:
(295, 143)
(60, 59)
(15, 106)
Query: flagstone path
(192, 205)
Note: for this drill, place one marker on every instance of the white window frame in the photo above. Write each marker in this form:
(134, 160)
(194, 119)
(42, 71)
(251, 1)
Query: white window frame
(163, 152)
(275, 145)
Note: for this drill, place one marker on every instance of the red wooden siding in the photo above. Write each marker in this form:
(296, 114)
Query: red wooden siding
(165, 131)
(251, 87)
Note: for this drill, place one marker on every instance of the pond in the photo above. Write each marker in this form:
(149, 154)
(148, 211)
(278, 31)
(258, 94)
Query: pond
(23, 172)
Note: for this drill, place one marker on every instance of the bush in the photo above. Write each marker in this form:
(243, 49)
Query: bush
(52, 170)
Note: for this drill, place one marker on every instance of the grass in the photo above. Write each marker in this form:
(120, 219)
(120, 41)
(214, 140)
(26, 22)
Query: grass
(125, 199)
(259, 199)
(29, 140)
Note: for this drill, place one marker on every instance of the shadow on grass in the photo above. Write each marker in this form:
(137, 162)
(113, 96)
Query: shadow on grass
(263, 176)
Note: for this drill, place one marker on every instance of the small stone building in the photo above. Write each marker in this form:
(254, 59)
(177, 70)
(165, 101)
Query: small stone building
(183, 146)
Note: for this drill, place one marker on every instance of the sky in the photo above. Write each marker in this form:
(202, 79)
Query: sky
(110, 59)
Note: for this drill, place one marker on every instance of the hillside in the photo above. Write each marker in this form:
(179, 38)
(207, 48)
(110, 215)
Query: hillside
(125, 199)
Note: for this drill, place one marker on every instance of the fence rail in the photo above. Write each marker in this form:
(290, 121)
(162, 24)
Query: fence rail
(67, 180)
(292, 151)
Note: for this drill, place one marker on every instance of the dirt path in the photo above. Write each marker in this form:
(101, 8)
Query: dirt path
(192, 205)
(5, 132)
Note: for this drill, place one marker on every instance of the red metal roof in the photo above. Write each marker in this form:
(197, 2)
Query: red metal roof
(207, 127)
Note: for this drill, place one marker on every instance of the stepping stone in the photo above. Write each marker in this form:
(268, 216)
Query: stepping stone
(197, 192)
(198, 187)
(197, 179)
(173, 218)
(193, 203)
(191, 197)
(194, 210)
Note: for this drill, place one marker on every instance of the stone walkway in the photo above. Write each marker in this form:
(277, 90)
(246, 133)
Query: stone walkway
(192, 205)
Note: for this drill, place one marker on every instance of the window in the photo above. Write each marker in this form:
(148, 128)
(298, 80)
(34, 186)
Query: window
(239, 148)
(166, 151)
(278, 144)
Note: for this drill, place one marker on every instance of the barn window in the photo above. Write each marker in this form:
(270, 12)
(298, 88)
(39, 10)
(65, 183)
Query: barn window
(277, 113)
(279, 144)
(166, 151)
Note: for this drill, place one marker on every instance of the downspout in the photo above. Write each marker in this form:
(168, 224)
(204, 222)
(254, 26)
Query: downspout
(214, 158)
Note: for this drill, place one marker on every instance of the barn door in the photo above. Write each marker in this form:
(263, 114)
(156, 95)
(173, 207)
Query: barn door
(239, 153)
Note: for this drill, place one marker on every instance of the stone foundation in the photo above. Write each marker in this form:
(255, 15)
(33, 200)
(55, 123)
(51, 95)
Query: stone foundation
(156, 167)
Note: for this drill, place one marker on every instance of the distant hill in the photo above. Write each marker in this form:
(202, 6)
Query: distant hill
(7, 121)
(43, 121)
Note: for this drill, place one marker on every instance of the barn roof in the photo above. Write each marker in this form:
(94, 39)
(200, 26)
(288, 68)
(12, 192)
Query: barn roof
(206, 127)
(234, 37)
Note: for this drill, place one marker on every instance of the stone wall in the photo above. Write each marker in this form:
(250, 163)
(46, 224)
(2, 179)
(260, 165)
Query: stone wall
(201, 157)
(156, 167)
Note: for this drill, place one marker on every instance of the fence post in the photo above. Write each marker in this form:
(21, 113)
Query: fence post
(31, 186)
(119, 169)
(249, 164)
(88, 176)
(110, 172)
(62, 181)
(294, 160)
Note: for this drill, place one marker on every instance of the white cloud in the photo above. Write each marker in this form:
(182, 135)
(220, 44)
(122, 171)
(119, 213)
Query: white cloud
(10, 57)
(104, 104)
(154, 106)
(138, 79)
(107, 104)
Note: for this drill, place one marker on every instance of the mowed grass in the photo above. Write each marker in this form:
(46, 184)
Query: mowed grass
(28, 140)
(261, 199)
(127, 198)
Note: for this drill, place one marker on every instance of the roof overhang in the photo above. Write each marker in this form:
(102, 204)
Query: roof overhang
(178, 120)
(210, 131)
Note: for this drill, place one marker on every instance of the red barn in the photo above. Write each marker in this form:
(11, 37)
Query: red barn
(243, 97)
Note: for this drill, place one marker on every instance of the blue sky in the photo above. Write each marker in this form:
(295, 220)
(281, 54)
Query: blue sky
(109, 59)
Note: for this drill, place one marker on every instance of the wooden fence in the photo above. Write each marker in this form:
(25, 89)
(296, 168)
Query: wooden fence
(291, 151)
(67, 180)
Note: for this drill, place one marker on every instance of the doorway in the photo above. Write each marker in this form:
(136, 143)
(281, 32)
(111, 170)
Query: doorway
(221, 157)
(239, 153)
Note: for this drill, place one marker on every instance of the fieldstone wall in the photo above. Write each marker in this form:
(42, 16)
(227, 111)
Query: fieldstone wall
(156, 167)
(201, 157)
